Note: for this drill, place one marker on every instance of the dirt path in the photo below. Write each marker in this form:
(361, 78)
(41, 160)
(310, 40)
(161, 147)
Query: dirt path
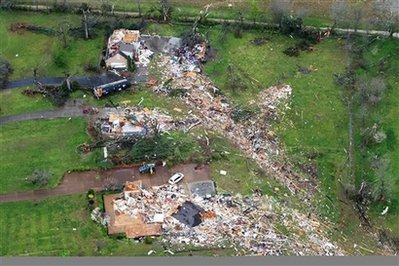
(81, 182)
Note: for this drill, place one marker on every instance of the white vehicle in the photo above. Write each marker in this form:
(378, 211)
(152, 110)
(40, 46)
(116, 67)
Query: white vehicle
(176, 178)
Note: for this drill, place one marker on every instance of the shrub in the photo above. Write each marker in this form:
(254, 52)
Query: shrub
(291, 25)
(159, 147)
(148, 240)
(90, 194)
(59, 59)
(291, 51)
(131, 65)
(39, 178)
(5, 70)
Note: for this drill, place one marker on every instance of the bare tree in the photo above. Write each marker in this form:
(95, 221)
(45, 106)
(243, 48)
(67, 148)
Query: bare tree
(63, 29)
(88, 22)
(387, 15)
(39, 178)
(382, 187)
(376, 91)
(357, 15)
(165, 9)
(106, 7)
(139, 7)
(7, 4)
(279, 9)
(85, 23)
(339, 12)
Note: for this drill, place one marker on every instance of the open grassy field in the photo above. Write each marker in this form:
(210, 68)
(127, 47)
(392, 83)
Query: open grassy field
(59, 226)
(317, 120)
(316, 12)
(26, 50)
(386, 114)
(317, 123)
(14, 102)
(48, 145)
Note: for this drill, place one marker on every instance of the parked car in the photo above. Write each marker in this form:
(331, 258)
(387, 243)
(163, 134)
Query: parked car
(176, 178)
(147, 168)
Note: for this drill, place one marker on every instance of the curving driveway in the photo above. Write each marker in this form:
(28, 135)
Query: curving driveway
(81, 182)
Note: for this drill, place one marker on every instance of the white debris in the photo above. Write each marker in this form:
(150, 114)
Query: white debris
(151, 251)
(105, 153)
(223, 172)
(385, 210)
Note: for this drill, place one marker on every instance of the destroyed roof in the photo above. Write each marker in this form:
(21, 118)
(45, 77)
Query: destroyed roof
(127, 36)
(132, 186)
(131, 36)
(189, 214)
(142, 230)
(113, 117)
(126, 48)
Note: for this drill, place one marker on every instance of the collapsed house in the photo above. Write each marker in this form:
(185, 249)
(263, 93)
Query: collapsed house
(190, 59)
(132, 121)
(243, 223)
(129, 222)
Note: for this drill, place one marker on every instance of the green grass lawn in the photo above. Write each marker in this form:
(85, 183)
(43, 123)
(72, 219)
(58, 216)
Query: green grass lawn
(315, 12)
(386, 114)
(46, 228)
(48, 145)
(317, 120)
(26, 50)
(13, 102)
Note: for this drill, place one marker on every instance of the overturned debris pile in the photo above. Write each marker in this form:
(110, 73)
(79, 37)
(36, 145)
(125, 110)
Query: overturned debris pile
(243, 223)
(253, 135)
(189, 60)
(100, 217)
(246, 225)
(139, 121)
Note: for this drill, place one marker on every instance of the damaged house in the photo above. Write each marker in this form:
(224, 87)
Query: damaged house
(115, 124)
(132, 121)
(122, 44)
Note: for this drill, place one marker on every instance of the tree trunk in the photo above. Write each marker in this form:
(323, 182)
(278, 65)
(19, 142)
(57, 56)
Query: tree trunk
(68, 82)
(85, 25)
(139, 7)
(64, 39)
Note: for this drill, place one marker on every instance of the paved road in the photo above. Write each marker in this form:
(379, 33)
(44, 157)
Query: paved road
(71, 109)
(91, 81)
(81, 182)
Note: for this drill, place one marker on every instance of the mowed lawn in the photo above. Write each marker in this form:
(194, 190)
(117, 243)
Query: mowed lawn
(26, 50)
(46, 145)
(13, 102)
(59, 226)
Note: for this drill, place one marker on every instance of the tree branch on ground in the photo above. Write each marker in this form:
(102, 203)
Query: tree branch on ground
(5, 71)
